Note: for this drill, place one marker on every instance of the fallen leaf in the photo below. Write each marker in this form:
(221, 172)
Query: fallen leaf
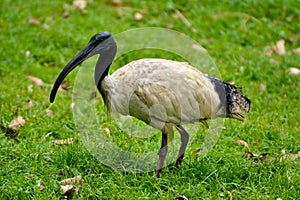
(72, 105)
(64, 141)
(17, 123)
(72, 181)
(29, 104)
(182, 17)
(116, 3)
(80, 4)
(292, 157)
(294, 38)
(30, 175)
(36, 80)
(222, 195)
(68, 186)
(46, 26)
(49, 112)
(107, 132)
(294, 71)
(27, 53)
(9, 132)
(45, 136)
(181, 198)
(34, 20)
(242, 142)
(289, 157)
(65, 85)
(279, 48)
(297, 51)
(138, 16)
(40, 186)
(68, 191)
(66, 14)
(262, 87)
(269, 51)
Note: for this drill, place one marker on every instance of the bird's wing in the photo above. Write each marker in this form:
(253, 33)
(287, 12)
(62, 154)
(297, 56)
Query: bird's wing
(155, 104)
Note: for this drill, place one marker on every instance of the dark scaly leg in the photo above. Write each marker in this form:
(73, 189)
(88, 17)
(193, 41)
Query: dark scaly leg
(162, 154)
(184, 141)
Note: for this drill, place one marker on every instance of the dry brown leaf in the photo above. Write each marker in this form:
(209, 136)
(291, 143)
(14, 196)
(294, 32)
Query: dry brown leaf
(36, 80)
(72, 181)
(81, 4)
(138, 16)
(294, 38)
(294, 71)
(65, 85)
(29, 104)
(242, 142)
(181, 198)
(297, 51)
(116, 3)
(17, 123)
(72, 105)
(27, 53)
(68, 191)
(68, 186)
(262, 87)
(269, 51)
(46, 26)
(40, 186)
(30, 175)
(107, 132)
(49, 112)
(182, 17)
(45, 136)
(66, 14)
(279, 48)
(9, 132)
(34, 20)
(64, 141)
(289, 157)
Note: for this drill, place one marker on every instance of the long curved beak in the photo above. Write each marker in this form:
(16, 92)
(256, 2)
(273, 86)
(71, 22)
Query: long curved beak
(77, 60)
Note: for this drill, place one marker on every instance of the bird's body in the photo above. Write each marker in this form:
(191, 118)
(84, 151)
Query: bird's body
(161, 93)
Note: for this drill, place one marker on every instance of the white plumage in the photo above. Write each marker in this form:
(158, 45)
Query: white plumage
(159, 90)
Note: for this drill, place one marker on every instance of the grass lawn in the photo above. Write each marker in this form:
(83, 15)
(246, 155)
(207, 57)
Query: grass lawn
(38, 38)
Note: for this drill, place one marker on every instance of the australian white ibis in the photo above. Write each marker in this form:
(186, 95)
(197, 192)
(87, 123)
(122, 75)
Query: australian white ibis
(162, 93)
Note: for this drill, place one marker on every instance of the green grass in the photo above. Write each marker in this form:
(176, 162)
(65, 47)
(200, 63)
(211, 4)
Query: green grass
(235, 33)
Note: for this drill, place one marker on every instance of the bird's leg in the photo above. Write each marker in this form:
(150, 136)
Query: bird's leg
(162, 153)
(184, 141)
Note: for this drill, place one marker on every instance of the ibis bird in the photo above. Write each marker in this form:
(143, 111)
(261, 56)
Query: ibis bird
(161, 93)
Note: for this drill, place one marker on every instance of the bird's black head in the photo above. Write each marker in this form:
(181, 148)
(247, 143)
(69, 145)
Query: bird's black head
(236, 104)
(99, 37)
(107, 44)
